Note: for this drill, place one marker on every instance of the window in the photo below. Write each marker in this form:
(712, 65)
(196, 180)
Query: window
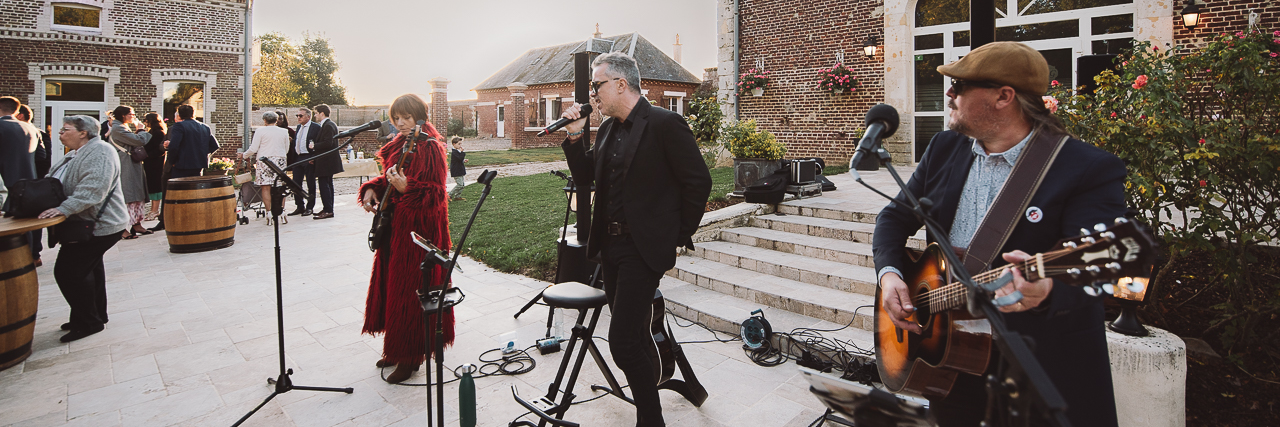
(675, 103)
(76, 17)
(183, 93)
(70, 90)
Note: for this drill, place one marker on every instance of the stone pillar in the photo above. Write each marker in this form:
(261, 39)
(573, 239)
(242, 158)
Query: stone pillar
(515, 116)
(440, 105)
(1150, 378)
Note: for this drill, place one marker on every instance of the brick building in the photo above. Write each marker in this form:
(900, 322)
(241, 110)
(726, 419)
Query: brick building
(526, 95)
(89, 56)
(793, 40)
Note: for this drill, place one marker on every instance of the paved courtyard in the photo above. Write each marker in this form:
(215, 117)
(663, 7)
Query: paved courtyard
(192, 339)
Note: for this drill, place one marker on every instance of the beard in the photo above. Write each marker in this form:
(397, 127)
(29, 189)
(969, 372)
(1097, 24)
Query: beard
(970, 124)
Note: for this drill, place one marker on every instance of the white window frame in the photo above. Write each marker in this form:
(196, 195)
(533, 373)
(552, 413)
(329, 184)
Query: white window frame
(102, 17)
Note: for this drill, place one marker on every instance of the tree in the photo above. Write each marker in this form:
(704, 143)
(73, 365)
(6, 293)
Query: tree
(314, 74)
(294, 74)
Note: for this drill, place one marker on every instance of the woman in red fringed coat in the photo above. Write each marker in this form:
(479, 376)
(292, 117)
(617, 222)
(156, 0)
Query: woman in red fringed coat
(419, 204)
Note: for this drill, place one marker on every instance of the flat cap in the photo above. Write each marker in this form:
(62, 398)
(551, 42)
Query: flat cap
(1007, 63)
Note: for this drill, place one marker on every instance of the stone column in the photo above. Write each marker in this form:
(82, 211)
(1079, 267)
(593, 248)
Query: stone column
(515, 116)
(440, 105)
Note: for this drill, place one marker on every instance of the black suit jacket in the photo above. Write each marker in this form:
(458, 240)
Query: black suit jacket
(190, 143)
(18, 143)
(1083, 187)
(313, 129)
(666, 180)
(331, 164)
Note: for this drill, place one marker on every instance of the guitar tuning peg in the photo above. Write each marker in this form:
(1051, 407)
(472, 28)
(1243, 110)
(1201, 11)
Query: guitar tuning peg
(1109, 288)
(1093, 269)
(1107, 235)
(1114, 267)
(1136, 286)
(1089, 240)
(1085, 232)
(1074, 272)
(1122, 220)
(1099, 227)
(1069, 245)
(1092, 290)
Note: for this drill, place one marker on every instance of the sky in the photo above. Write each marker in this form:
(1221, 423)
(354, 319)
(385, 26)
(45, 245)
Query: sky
(390, 47)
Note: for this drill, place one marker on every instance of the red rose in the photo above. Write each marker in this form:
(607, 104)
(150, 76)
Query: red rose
(1203, 183)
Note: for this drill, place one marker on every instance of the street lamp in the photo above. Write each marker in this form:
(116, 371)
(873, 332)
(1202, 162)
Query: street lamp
(1191, 15)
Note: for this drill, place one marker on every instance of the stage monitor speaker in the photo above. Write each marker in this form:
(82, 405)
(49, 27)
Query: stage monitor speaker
(581, 77)
(1090, 66)
(573, 264)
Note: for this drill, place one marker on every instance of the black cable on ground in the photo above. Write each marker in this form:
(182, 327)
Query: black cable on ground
(515, 364)
(693, 323)
(570, 404)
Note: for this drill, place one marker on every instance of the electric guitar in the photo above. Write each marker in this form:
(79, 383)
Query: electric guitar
(953, 341)
(666, 354)
(381, 228)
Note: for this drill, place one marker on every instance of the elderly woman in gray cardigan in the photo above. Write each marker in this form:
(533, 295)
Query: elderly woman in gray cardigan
(127, 132)
(90, 176)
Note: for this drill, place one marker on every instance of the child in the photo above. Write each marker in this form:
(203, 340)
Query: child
(456, 169)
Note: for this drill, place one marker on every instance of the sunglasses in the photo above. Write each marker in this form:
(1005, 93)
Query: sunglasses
(595, 85)
(959, 86)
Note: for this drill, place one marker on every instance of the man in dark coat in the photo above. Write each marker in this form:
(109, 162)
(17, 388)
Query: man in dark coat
(305, 172)
(190, 142)
(19, 141)
(996, 112)
(651, 190)
(329, 165)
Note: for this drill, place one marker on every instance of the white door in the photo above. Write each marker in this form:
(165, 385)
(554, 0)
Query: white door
(502, 127)
(56, 110)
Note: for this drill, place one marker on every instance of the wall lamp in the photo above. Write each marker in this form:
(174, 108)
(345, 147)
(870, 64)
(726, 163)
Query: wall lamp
(1191, 15)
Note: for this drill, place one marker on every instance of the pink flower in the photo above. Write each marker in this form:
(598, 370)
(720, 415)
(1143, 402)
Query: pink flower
(1203, 183)
(1277, 33)
(1140, 82)
(1239, 33)
(1201, 141)
(1155, 48)
(1050, 102)
(1273, 54)
(1125, 63)
(1113, 114)
(1053, 83)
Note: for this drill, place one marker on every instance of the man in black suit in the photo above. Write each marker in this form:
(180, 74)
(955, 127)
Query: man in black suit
(305, 171)
(996, 112)
(190, 144)
(19, 141)
(651, 190)
(329, 165)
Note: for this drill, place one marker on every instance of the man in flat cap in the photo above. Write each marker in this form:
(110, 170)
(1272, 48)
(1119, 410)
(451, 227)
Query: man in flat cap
(998, 118)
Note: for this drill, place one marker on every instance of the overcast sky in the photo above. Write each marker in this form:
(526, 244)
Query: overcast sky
(390, 47)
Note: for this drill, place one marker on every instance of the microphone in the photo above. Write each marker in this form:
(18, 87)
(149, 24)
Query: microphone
(355, 130)
(585, 111)
(881, 122)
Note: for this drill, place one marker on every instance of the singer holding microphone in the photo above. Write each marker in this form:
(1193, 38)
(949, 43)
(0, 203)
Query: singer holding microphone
(651, 191)
(418, 203)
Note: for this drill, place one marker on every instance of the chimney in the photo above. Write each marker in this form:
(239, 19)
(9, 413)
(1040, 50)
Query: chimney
(678, 50)
(597, 34)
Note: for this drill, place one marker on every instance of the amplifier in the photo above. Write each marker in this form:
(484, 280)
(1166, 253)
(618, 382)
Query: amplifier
(804, 171)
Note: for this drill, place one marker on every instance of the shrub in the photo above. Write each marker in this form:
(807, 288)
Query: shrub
(456, 129)
(745, 141)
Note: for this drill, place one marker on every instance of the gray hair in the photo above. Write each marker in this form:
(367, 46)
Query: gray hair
(1034, 111)
(621, 65)
(83, 124)
(270, 117)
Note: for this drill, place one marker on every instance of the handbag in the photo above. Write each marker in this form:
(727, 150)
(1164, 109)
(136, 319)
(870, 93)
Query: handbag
(242, 178)
(78, 230)
(138, 154)
(29, 197)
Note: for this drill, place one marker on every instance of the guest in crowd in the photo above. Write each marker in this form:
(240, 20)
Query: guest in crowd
(154, 164)
(105, 129)
(270, 142)
(19, 141)
(126, 134)
(418, 199)
(305, 172)
(43, 153)
(283, 121)
(329, 165)
(457, 168)
(90, 175)
(190, 144)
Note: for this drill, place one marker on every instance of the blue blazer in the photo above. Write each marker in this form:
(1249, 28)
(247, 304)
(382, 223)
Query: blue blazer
(1083, 187)
(191, 142)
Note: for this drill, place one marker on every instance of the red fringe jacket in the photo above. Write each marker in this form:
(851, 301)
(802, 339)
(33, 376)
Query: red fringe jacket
(392, 306)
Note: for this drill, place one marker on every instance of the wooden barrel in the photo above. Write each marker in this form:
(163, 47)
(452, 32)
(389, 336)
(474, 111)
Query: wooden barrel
(19, 292)
(200, 213)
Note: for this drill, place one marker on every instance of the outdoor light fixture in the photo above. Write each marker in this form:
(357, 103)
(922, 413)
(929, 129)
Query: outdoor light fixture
(869, 47)
(1191, 15)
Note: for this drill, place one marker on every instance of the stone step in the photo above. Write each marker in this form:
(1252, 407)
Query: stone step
(829, 228)
(725, 313)
(820, 302)
(832, 208)
(842, 251)
(813, 271)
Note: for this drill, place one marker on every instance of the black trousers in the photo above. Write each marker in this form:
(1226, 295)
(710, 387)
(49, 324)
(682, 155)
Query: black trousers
(83, 281)
(305, 172)
(326, 192)
(629, 284)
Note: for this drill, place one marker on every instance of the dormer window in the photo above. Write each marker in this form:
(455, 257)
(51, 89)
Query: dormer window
(76, 17)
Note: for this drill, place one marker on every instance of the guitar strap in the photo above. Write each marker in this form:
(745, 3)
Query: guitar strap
(1033, 165)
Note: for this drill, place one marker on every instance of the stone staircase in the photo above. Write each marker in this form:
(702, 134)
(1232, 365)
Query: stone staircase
(806, 263)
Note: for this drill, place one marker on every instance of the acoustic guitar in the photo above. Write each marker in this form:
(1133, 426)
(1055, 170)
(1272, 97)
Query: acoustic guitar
(381, 229)
(666, 354)
(952, 341)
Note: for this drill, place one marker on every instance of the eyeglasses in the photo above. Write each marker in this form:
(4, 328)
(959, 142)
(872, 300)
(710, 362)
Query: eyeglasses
(65, 130)
(595, 85)
(959, 86)
(299, 116)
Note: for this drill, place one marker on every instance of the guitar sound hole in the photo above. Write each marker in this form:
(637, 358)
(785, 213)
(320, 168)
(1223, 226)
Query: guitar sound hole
(924, 317)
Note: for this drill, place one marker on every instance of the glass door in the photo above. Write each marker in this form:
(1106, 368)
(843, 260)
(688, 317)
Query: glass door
(502, 127)
(56, 110)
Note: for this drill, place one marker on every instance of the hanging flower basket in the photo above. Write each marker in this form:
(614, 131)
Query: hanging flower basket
(838, 79)
(753, 81)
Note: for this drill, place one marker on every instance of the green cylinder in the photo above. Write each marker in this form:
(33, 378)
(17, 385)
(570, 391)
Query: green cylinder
(467, 399)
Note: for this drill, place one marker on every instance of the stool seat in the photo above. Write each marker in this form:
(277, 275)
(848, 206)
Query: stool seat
(574, 295)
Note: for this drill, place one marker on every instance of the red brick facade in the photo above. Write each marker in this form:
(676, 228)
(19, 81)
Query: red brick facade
(439, 110)
(1219, 17)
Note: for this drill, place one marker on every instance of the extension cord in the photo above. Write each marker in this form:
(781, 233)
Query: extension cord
(549, 345)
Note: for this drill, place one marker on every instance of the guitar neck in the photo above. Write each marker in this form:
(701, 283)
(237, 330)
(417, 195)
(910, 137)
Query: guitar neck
(955, 295)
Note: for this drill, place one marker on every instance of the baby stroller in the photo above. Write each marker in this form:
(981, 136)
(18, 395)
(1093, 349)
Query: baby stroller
(250, 198)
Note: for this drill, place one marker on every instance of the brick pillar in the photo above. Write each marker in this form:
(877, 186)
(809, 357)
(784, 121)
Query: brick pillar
(515, 116)
(440, 105)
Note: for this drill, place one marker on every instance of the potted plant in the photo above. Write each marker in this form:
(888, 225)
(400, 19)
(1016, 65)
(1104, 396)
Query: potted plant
(219, 166)
(756, 153)
(753, 81)
(837, 79)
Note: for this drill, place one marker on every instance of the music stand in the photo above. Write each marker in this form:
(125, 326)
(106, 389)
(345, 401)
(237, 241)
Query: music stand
(283, 383)
(866, 406)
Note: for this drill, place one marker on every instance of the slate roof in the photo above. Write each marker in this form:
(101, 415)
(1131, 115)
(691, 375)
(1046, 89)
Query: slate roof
(554, 64)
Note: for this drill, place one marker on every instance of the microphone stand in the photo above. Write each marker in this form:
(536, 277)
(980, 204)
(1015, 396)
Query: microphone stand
(283, 383)
(564, 232)
(1020, 384)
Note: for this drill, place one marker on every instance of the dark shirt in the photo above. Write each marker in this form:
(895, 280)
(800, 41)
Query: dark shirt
(615, 167)
(456, 166)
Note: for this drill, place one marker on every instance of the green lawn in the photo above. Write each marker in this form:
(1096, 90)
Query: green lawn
(502, 157)
(517, 228)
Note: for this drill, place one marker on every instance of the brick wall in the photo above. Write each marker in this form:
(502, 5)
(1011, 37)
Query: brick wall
(20, 14)
(212, 23)
(1219, 17)
(439, 111)
(462, 110)
(513, 118)
(794, 40)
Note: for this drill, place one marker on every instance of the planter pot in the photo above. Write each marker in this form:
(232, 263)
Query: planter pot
(757, 91)
(838, 91)
(748, 171)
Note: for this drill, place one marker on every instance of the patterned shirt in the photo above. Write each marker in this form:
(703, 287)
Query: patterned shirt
(986, 177)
